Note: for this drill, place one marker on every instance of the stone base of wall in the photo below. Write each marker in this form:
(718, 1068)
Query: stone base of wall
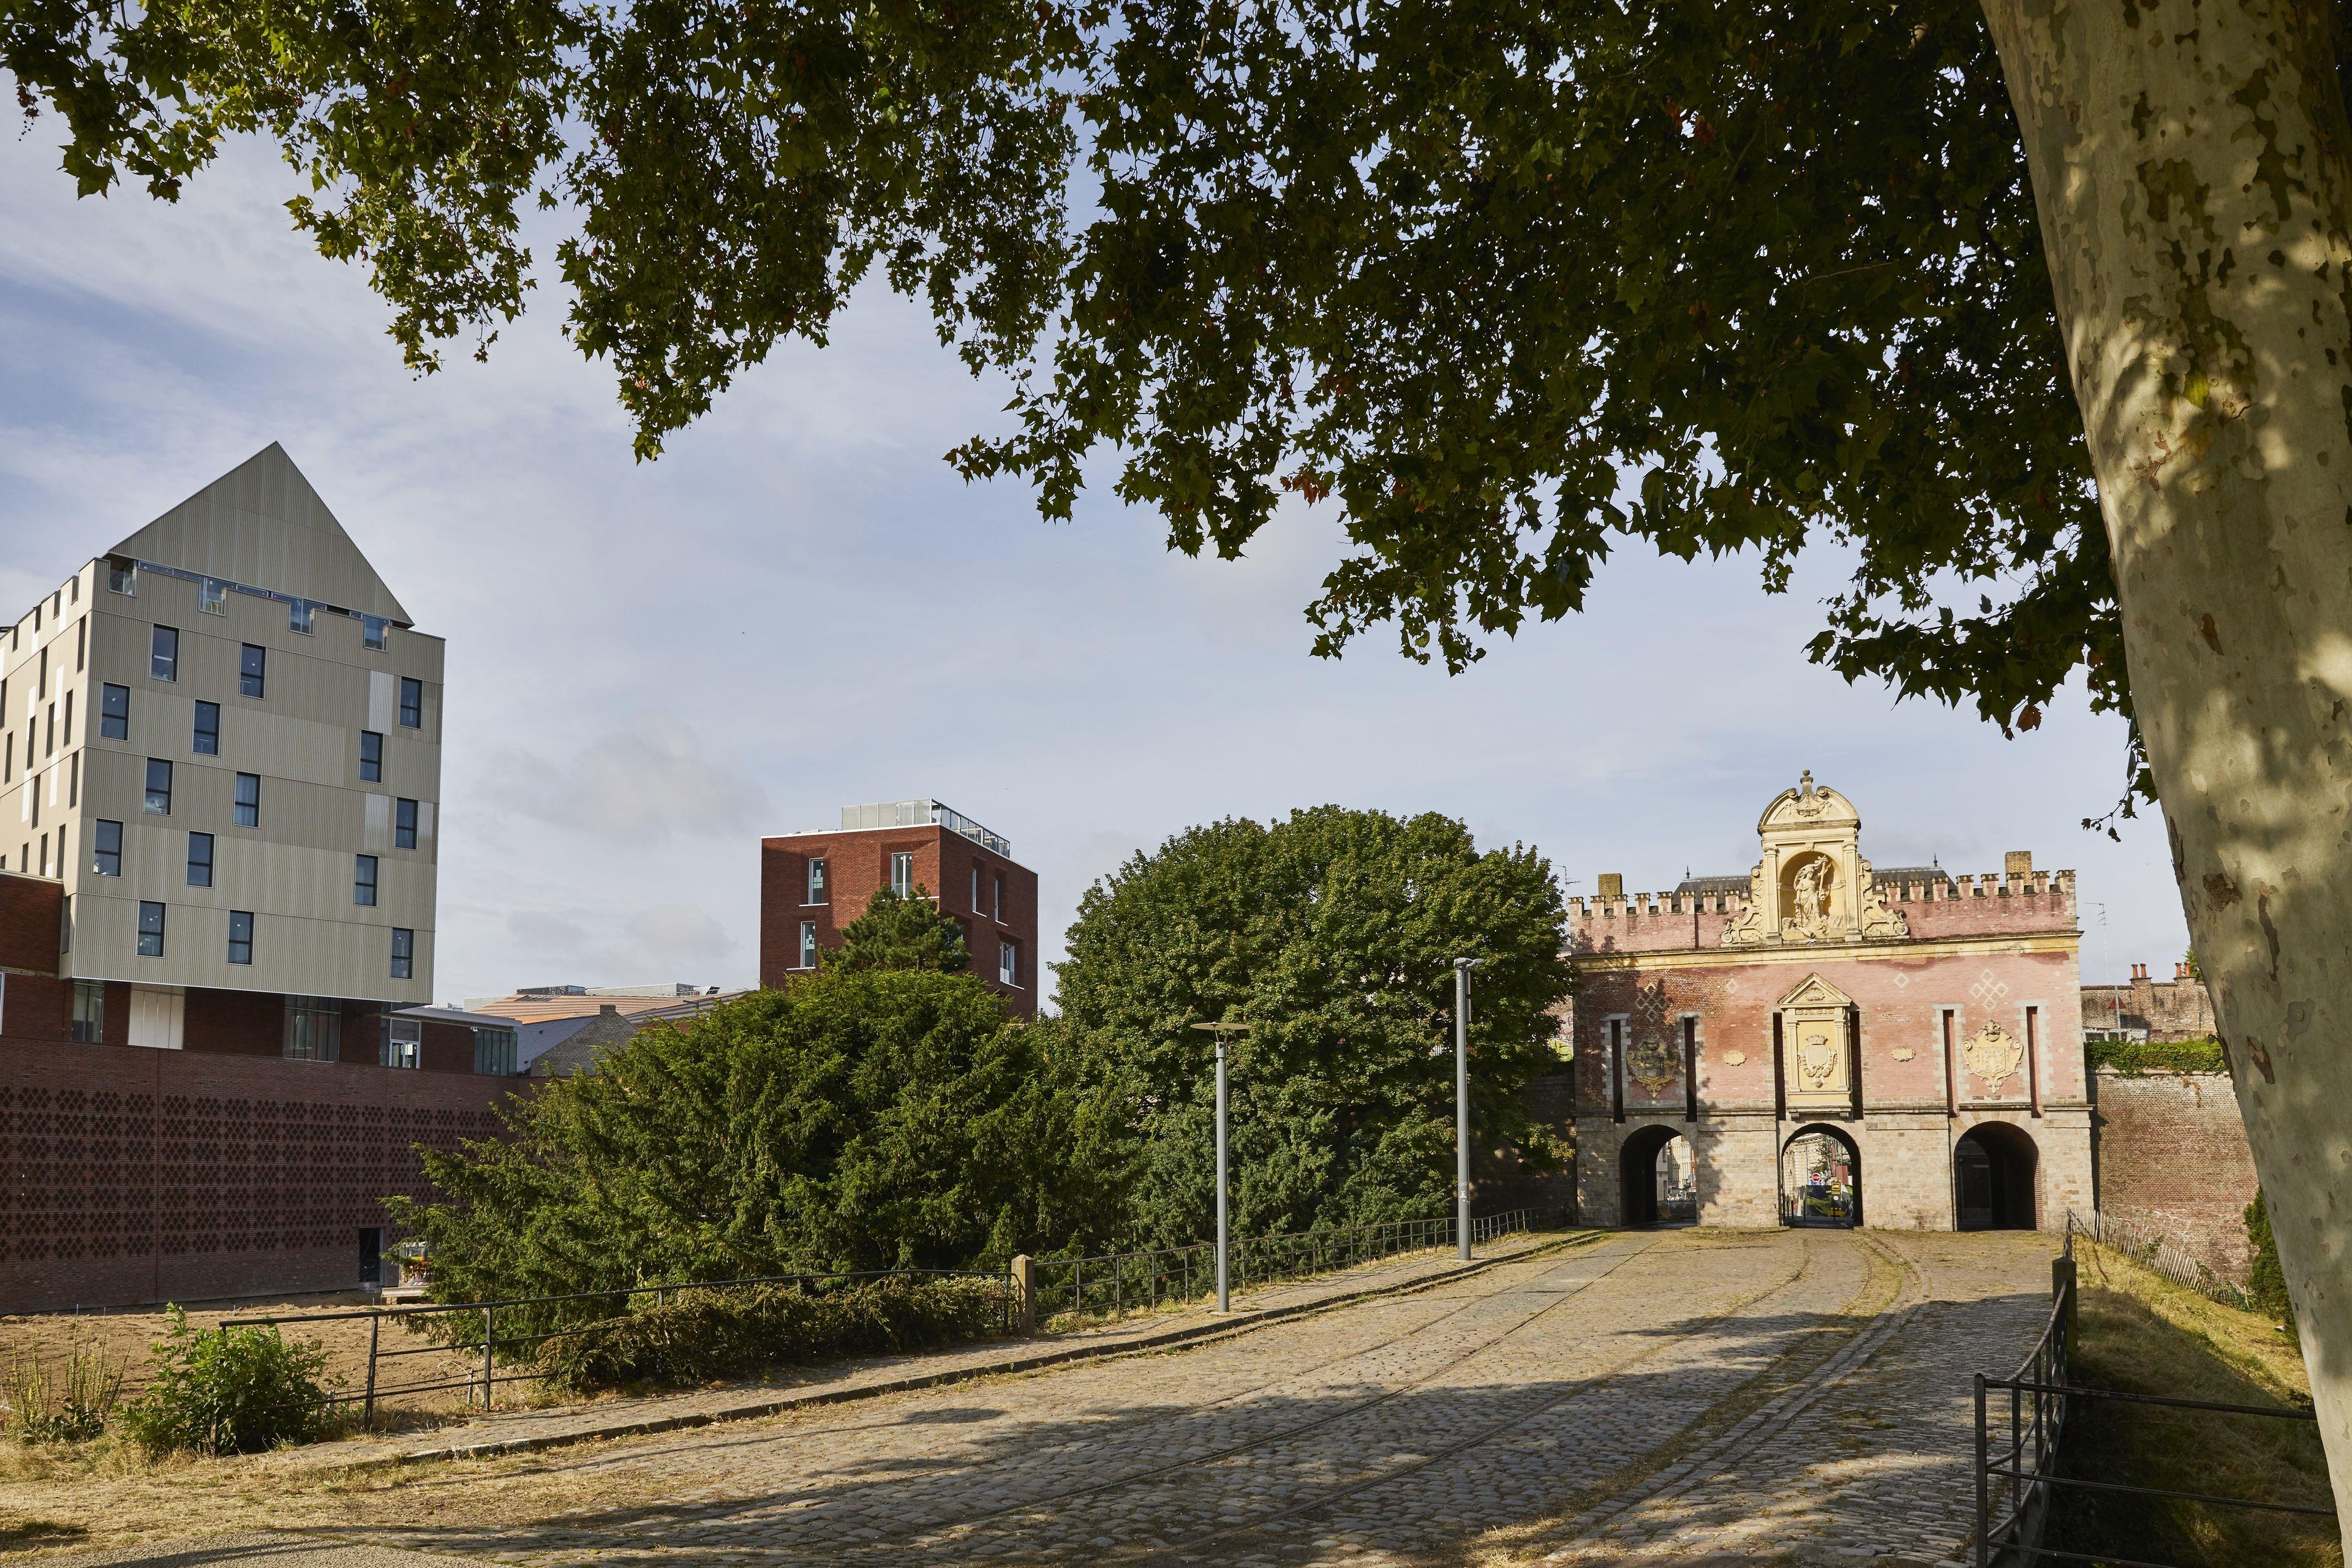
(1906, 1168)
(2174, 1164)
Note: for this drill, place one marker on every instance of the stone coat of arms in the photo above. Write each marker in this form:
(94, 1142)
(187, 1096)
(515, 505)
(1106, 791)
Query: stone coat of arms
(1653, 1065)
(1992, 1055)
(1816, 1060)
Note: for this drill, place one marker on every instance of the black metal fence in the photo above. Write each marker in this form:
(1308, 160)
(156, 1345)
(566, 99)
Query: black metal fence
(1112, 1284)
(473, 1353)
(2017, 1480)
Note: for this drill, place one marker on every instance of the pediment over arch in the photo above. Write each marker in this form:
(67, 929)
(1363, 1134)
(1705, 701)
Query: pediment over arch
(1815, 992)
(1814, 808)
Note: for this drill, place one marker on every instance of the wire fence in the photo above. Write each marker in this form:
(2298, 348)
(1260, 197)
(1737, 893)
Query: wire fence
(1113, 1284)
(2018, 1481)
(487, 1353)
(2160, 1254)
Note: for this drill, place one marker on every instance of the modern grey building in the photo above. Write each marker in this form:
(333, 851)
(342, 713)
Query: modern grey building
(223, 735)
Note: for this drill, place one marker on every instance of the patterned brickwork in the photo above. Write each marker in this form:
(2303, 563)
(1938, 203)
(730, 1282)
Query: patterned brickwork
(131, 1176)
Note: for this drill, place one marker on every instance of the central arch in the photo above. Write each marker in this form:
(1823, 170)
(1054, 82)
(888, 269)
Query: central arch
(1821, 1177)
(1994, 1167)
(1658, 1173)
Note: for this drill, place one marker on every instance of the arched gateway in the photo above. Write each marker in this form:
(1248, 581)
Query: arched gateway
(1658, 1176)
(1818, 1013)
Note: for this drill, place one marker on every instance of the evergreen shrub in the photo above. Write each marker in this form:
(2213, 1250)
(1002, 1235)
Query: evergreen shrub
(702, 1336)
(235, 1391)
(2266, 1282)
(2135, 1059)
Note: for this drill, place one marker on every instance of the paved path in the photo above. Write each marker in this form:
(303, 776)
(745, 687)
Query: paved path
(1686, 1396)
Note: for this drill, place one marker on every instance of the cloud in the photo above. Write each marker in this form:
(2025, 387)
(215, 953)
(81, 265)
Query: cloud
(641, 783)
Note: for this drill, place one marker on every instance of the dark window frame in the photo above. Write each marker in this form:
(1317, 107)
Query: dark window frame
(370, 766)
(206, 738)
(207, 862)
(244, 812)
(236, 941)
(253, 672)
(403, 824)
(114, 711)
(151, 931)
(105, 861)
(163, 653)
(147, 803)
(365, 874)
(411, 702)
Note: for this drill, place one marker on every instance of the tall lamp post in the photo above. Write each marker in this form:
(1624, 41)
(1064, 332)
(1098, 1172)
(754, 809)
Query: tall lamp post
(1224, 1298)
(1462, 968)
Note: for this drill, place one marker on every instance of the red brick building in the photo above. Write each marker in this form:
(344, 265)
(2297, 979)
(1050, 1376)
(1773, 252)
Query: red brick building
(1836, 1044)
(811, 884)
(132, 1173)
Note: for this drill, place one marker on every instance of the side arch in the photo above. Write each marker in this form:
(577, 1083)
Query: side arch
(1995, 1178)
(1639, 1201)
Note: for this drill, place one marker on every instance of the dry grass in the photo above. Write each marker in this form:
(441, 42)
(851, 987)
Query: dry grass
(2141, 1334)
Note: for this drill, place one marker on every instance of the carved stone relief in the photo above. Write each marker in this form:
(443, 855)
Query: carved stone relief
(1812, 884)
(1652, 1063)
(1992, 1055)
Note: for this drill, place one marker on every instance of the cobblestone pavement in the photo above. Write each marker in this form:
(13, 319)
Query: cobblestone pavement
(1680, 1396)
(523, 1425)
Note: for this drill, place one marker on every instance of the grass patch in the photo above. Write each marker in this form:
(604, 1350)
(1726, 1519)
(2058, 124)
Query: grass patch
(2141, 1334)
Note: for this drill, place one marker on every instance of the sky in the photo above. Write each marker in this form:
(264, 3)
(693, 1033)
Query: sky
(801, 606)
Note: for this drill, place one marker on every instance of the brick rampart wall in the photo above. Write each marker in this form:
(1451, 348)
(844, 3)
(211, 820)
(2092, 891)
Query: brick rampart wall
(131, 1176)
(2173, 1161)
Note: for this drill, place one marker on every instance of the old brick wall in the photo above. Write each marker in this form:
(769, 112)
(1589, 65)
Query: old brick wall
(2176, 1009)
(2173, 1161)
(32, 917)
(131, 1176)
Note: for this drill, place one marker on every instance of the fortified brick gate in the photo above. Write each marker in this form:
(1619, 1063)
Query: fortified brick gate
(1837, 1045)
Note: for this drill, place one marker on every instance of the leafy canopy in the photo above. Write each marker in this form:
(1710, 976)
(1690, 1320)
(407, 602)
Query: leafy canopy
(900, 933)
(855, 1119)
(1333, 934)
(1508, 281)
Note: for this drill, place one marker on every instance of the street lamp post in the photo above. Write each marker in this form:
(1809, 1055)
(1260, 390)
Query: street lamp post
(1462, 968)
(1224, 1298)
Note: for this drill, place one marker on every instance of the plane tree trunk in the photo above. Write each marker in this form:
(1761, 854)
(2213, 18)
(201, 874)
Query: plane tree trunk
(2190, 160)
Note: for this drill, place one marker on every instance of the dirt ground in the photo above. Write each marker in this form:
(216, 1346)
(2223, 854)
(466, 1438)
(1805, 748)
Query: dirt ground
(126, 1337)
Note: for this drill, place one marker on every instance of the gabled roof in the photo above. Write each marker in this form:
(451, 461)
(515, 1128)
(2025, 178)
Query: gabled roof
(261, 524)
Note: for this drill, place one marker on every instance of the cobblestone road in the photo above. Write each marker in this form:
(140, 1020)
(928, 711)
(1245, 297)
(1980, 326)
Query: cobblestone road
(1795, 1396)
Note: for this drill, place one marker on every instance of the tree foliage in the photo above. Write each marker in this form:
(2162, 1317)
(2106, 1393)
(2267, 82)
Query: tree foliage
(1506, 281)
(855, 1119)
(1333, 934)
(900, 933)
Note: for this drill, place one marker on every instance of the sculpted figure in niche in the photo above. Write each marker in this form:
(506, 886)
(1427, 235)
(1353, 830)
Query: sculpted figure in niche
(1808, 910)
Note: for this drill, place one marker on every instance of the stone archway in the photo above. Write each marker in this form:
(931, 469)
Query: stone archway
(1821, 1177)
(1657, 1176)
(1995, 1170)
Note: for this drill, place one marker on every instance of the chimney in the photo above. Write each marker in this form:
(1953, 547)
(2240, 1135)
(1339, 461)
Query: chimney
(608, 1010)
(2139, 972)
(2180, 971)
(2018, 863)
(1613, 884)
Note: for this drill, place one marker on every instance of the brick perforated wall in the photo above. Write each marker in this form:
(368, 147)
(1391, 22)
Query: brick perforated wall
(131, 1176)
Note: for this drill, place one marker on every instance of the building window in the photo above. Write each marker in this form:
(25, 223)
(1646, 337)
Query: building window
(246, 812)
(403, 825)
(808, 944)
(403, 1042)
(151, 929)
(159, 787)
(1008, 963)
(404, 953)
(90, 1012)
(106, 849)
(371, 757)
(363, 881)
(1000, 898)
(114, 712)
(411, 703)
(494, 1051)
(207, 740)
(199, 860)
(212, 596)
(82, 638)
(240, 936)
(373, 630)
(122, 577)
(902, 873)
(816, 894)
(297, 615)
(314, 1029)
(252, 670)
(44, 855)
(163, 654)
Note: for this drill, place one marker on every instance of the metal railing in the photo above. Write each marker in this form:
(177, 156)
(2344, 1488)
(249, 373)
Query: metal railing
(471, 1329)
(2024, 1467)
(1112, 1284)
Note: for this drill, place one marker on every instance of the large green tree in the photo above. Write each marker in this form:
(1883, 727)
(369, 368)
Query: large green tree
(1332, 934)
(2040, 307)
(856, 1119)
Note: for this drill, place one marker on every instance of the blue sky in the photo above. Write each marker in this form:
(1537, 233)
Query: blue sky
(801, 606)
